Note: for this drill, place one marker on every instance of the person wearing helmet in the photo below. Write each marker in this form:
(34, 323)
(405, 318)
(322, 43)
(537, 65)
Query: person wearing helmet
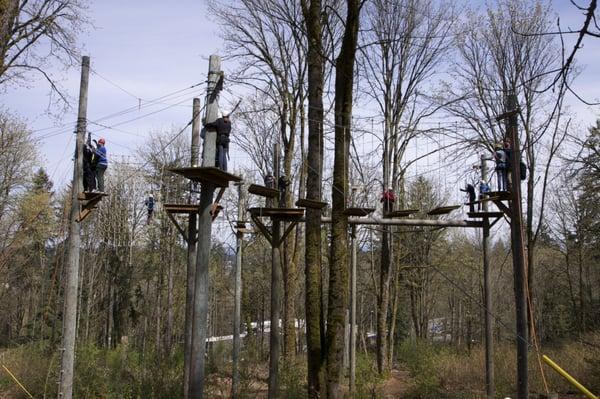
(89, 175)
(102, 163)
(150, 206)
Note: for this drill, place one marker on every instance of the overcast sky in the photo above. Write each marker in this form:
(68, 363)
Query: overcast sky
(142, 50)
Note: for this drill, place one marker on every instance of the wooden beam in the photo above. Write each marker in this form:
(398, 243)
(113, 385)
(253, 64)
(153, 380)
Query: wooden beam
(263, 229)
(181, 231)
(287, 231)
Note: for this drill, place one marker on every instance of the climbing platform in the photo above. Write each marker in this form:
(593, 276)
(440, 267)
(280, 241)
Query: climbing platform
(442, 210)
(181, 208)
(313, 204)
(88, 201)
(283, 214)
(263, 191)
(485, 214)
(498, 195)
(204, 174)
(400, 213)
(358, 211)
(240, 228)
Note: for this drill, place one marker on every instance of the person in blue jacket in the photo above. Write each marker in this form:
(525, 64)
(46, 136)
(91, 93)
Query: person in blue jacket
(102, 163)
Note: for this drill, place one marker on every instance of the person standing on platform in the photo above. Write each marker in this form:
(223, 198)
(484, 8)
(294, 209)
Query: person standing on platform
(89, 173)
(283, 183)
(470, 190)
(500, 156)
(102, 163)
(484, 189)
(223, 127)
(388, 198)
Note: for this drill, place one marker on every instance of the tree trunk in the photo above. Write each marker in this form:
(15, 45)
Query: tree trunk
(314, 179)
(338, 272)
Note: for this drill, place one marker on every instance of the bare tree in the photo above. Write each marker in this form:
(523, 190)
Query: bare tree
(35, 34)
(404, 42)
(338, 270)
(500, 52)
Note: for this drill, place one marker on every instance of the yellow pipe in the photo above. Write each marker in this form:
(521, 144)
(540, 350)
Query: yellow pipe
(566, 375)
(17, 381)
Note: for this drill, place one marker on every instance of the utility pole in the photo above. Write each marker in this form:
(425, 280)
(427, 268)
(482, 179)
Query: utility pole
(235, 380)
(274, 348)
(353, 256)
(191, 252)
(200, 312)
(490, 387)
(517, 248)
(69, 333)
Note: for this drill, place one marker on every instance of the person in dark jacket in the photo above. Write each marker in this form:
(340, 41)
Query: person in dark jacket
(89, 173)
(282, 185)
(470, 190)
(150, 206)
(223, 127)
(102, 163)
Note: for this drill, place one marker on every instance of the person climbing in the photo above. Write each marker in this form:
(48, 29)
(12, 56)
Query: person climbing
(269, 181)
(102, 163)
(283, 183)
(388, 198)
(484, 189)
(223, 126)
(150, 206)
(89, 173)
(470, 190)
(500, 156)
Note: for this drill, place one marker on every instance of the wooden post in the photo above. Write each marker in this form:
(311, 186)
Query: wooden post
(517, 249)
(275, 292)
(69, 333)
(200, 314)
(490, 387)
(353, 325)
(191, 253)
(235, 380)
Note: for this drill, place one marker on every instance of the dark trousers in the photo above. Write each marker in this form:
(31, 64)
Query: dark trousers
(222, 157)
(100, 169)
(89, 178)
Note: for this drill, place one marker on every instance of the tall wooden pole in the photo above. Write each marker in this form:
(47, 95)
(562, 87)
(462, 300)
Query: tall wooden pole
(490, 387)
(237, 314)
(200, 314)
(191, 253)
(353, 257)
(69, 333)
(274, 348)
(517, 249)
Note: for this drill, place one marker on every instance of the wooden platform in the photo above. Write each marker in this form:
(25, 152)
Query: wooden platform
(278, 213)
(358, 211)
(181, 208)
(263, 191)
(207, 175)
(88, 202)
(307, 203)
(442, 210)
(400, 213)
(502, 195)
(86, 196)
(485, 214)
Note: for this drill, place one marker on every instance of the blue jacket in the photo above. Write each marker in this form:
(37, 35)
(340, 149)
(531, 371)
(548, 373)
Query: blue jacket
(101, 152)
